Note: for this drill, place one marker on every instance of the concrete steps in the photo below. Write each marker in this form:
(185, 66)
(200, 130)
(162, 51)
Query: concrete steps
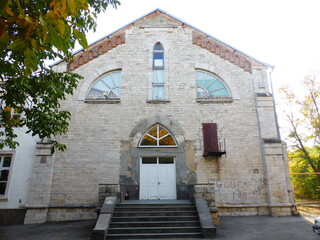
(166, 223)
(154, 220)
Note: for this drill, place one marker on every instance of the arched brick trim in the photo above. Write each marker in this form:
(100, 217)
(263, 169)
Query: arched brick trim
(118, 41)
(199, 41)
(91, 55)
(80, 60)
(100, 50)
(247, 66)
(109, 46)
(96, 50)
(208, 45)
(217, 50)
(237, 60)
(222, 50)
(227, 55)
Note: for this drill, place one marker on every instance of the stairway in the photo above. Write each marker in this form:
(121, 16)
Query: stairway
(154, 219)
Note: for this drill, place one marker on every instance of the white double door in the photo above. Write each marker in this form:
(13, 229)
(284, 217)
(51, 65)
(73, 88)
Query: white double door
(157, 178)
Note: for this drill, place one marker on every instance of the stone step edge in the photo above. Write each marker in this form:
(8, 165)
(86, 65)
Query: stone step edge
(159, 207)
(156, 211)
(153, 234)
(155, 222)
(150, 228)
(184, 216)
(154, 204)
(160, 202)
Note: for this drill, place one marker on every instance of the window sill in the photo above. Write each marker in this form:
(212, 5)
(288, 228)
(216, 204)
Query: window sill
(161, 146)
(215, 100)
(158, 101)
(3, 198)
(107, 101)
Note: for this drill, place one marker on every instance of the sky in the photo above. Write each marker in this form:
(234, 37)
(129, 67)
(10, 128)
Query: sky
(282, 33)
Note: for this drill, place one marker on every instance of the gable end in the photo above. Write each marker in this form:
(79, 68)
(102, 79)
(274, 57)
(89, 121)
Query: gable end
(199, 38)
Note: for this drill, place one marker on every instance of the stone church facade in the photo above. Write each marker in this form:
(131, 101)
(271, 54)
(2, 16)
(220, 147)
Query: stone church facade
(164, 111)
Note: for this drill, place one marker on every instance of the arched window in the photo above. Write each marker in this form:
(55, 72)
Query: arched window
(106, 87)
(158, 56)
(158, 82)
(210, 86)
(157, 136)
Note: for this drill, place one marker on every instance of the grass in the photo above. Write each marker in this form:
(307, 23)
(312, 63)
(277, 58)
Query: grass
(309, 210)
(306, 200)
(309, 207)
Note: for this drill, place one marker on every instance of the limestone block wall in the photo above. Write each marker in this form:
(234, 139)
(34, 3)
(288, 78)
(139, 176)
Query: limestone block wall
(261, 80)
(265, 106)
(103, 136)
(40, 190)
(280, 192)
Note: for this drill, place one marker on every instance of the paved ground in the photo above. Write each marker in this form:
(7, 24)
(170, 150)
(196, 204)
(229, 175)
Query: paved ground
(265, 228)
(231, 228)
(71, 230)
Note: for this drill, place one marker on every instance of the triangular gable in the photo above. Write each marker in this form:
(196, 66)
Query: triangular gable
(199, 38)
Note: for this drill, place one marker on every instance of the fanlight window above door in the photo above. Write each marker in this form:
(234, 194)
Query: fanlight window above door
(157, 136)
(107, 87)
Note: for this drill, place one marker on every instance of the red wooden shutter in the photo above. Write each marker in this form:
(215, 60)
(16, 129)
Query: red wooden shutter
(210, 138)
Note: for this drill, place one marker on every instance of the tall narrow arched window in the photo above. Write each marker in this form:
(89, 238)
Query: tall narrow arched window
(210, 86)
(157, 136)
(158, 82)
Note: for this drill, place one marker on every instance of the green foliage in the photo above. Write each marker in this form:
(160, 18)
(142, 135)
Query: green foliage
(305, 186)
(303, 115)
(32, 31)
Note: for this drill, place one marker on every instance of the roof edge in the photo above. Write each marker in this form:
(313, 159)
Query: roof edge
(178, 19)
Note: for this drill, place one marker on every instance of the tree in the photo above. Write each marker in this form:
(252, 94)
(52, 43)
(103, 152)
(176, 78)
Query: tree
(304, 122)
(305, 185)
(32, 31)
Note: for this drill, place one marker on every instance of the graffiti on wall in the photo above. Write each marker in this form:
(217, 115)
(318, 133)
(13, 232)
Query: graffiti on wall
(242, 189)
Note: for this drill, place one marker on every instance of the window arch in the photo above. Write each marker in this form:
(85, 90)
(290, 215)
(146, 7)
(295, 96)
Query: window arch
(158, 136)
(210, 85)
(158, 56)
(106, 87)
